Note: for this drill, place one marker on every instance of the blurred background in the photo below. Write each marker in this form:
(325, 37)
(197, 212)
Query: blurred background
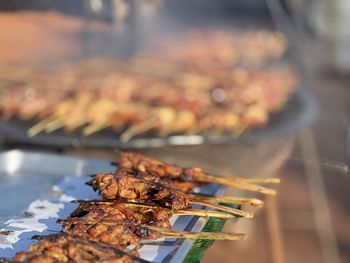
(250, 88)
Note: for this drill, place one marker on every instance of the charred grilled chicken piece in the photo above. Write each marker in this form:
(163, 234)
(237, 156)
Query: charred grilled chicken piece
(67, 248)
(184, 178)
(118, 233)
(123, 185)
(136, 213)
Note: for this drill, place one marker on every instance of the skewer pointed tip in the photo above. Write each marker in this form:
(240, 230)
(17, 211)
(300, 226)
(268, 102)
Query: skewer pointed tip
(260, 180)
(230, 200)
(233, 211)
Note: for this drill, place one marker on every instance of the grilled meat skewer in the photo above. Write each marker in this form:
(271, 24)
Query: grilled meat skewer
(114, 208)
(131, 233)
(122, 185)
(171, 175)
(68, 248)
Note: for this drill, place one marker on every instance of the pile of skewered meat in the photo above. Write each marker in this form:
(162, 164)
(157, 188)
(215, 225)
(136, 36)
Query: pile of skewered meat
(212, 47)
(183, 89)
(137, 202)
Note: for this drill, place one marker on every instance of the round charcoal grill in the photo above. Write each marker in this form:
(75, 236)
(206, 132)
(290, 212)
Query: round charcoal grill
(299, 111)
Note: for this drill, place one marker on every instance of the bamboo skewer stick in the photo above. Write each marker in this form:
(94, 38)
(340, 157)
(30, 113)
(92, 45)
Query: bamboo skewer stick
(238, 184)
(190, 212)
(203, 213)
(55, 120)
(231, 200)
(55, 125)
(255, 188)
(243, 180)
(230, 210)
(95, 127)
(261, 180)
(158, 243)
(165, 233)
(39, 127)
(137, 129)
(199, 235)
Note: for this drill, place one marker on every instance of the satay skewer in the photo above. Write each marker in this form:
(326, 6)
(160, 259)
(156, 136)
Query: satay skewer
(139, 163)
(182, 212)
(206, 198)
(211, 199)
(163, 232)
(142, 242)
(196, 212)
(122, 186)
(229, 179)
